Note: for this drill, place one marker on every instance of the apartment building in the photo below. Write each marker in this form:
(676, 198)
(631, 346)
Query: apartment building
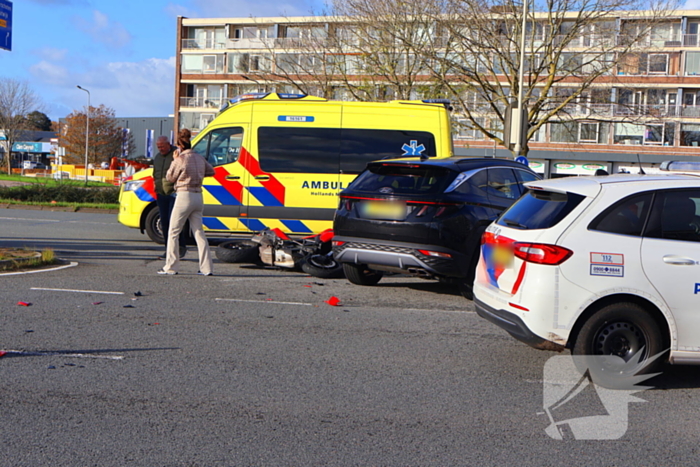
(644, 111)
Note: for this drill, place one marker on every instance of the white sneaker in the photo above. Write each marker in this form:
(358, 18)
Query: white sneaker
(163, 272)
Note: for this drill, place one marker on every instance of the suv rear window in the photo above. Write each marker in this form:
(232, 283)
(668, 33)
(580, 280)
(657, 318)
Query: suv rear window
(539, 210)
(403, 179)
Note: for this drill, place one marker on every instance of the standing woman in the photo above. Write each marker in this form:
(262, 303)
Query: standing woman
(187, 173)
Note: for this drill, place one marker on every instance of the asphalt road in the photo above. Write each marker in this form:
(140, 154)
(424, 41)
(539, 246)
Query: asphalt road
(252, 367)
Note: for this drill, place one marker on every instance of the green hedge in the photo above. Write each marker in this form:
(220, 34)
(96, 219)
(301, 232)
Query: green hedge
(61, 194)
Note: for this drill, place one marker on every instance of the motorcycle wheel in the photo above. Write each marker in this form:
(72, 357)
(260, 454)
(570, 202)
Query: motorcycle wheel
(323, 266)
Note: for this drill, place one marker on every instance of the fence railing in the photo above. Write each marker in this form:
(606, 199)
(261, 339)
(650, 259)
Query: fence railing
(207, 102)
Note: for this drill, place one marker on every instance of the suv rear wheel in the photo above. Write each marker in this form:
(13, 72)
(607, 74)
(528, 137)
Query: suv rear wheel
(360, 274)
(625, 330)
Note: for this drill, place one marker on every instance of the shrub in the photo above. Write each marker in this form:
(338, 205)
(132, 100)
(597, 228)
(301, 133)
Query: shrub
(61, 193)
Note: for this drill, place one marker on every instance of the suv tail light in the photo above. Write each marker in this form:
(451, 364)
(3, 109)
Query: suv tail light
(541, 253)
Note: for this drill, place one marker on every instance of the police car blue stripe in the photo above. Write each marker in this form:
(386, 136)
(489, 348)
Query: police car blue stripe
(264, 196)
(212, 223)
(296, 226)
(222, 195)
(253, 224)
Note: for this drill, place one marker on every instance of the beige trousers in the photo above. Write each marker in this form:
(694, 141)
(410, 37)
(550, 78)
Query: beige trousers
(190, 206)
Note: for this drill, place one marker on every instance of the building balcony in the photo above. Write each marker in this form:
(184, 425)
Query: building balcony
(202, 102)
(196, 44)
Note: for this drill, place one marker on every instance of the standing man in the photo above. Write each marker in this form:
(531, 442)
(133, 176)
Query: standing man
(165, 192)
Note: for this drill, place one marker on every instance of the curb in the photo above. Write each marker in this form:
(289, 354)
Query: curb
(31, 207)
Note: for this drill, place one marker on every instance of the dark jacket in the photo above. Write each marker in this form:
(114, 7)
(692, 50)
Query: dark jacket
(161, 165)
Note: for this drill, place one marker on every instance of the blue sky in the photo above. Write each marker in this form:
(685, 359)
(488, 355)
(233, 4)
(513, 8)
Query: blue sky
(122, 51)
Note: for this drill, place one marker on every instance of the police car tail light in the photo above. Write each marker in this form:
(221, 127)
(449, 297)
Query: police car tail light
(338, 243)
(541, 253)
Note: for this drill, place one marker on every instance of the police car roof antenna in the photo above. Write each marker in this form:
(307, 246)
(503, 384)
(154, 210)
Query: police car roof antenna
(641, 170)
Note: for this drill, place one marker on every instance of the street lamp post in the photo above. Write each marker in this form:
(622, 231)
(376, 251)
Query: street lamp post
(87, 131)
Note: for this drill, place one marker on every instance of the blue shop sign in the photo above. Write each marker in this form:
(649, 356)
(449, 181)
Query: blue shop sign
(36, 148)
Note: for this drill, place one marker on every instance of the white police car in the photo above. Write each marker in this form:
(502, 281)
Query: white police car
(599, 265)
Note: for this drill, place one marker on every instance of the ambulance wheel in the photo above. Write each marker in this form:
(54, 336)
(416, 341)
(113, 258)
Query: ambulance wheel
(238, 251)
(323, 266)
(617, 342)
(153, 228)
(361, 275)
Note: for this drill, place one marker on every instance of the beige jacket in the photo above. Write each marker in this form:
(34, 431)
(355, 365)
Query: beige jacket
(188, 170)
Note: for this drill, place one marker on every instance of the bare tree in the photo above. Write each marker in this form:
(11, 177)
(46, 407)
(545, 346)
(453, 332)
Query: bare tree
(363, 51)
(470, 52)
(17, 100)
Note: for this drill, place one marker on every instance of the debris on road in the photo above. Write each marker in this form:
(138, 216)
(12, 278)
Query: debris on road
(97, 303)
(24, 304)
(334, 301)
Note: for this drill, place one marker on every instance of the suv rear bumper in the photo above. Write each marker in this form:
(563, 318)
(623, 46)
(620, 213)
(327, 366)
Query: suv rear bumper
(402, 256)
(514, 326)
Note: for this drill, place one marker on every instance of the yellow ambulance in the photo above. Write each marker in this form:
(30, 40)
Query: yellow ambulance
(281, 159)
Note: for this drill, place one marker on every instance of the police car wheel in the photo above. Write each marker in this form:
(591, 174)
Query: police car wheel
(153, 227)
(323, 266)
(238, 251)
(360, 274)
(623, 330)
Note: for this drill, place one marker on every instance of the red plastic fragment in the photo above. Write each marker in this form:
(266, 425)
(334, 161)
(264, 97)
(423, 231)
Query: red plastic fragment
(307, 286)
(333, 301)
(97, 303)
(2, 352)
(24, 304)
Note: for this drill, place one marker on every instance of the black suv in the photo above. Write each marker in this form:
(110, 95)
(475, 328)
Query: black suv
(423, 217)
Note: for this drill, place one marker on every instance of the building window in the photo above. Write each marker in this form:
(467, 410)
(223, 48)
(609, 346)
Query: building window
(692, 63)
(628, 133)
(658, 63)
(690, 134)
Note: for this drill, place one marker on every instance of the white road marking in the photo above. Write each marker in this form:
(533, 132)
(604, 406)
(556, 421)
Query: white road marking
(72, 264)
(64, 354)
(28, 219)
(78, 291)
(261, 301)
(54, 220)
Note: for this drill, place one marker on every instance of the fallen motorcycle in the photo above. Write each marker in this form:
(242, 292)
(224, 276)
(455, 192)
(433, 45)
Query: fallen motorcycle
(313, 254)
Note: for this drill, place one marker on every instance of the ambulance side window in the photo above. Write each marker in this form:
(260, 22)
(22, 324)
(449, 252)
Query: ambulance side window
(220, 146)
(299, 150)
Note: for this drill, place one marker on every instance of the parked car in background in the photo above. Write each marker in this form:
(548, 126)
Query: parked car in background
(603, 266)
(423, 217)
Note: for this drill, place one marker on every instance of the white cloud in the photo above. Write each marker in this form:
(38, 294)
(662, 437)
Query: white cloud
(135, 89)
(50, 73)
(51, 54)
(103, 30)
(132, 89)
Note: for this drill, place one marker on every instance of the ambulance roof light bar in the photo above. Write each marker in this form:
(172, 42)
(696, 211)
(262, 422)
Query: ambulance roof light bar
(258, 95)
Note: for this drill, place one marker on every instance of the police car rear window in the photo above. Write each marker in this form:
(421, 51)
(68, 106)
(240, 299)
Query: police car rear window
(539, 210)
(395, 179)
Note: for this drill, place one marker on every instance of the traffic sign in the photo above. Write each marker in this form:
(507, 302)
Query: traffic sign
(5, 24)
(523, 160)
